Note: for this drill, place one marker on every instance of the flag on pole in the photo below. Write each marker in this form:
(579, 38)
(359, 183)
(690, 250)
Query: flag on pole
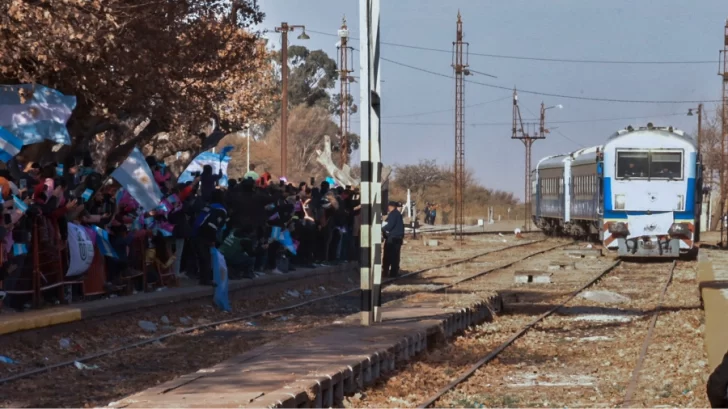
(34, 113)
(217, 162)
(10, 145)
(136, 177)
(102, 241)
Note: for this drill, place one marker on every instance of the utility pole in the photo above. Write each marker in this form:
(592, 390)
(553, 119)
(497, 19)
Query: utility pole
(460, 65)
(526, 134)
(284, 29)
(344, 78)
(371, 162)
(723, 72)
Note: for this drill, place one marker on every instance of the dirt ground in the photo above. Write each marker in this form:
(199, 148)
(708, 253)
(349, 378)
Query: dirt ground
(583, 356)
(127, 372)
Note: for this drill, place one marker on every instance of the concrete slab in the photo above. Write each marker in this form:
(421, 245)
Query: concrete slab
(532, 276)
(318, 367)
(583, 253)
(562, 265)
(713, 284)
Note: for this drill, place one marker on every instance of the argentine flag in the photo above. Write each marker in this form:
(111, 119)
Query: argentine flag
(102, 241)
(216, 161)
(34, 113)
(136, 177)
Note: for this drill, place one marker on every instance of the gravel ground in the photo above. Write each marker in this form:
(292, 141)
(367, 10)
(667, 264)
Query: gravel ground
(581, 357)
(130, 371)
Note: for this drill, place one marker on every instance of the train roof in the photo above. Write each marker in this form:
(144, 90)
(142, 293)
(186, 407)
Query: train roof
(581, 156)
(661, 130)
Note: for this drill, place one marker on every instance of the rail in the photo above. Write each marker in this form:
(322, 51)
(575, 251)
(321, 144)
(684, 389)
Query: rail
(246, 317)
(432, 399)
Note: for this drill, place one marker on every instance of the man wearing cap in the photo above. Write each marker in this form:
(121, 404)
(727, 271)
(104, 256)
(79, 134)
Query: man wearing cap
(394, 233)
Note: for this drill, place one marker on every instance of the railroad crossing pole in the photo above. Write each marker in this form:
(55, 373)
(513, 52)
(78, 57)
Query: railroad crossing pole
(371, 165)
(284, 29)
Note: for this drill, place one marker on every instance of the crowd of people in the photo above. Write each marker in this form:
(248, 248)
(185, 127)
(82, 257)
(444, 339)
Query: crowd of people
(245, 220)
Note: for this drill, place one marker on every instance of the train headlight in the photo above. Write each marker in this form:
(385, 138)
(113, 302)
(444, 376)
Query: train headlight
(619, 202)
(618, 229)
(679, 229)
(680, 202)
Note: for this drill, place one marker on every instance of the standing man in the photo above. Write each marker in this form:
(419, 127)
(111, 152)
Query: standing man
(717, 387)
(394, 234)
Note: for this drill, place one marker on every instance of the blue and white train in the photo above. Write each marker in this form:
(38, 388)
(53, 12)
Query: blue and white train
(639, 193)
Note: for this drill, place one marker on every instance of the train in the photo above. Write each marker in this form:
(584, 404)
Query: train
(639, 193)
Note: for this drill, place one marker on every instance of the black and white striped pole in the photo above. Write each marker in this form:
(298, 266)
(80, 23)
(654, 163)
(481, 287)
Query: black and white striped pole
(371, 163)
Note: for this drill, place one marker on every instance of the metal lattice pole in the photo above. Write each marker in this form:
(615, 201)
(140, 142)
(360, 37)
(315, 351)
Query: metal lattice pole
(344, 77)
(521, 132)
(460, 66)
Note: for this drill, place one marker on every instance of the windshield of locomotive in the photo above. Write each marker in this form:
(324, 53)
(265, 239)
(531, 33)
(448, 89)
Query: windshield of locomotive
(649, 165)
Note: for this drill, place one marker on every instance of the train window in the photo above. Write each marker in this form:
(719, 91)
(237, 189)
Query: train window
(631, 164)
(667, 165)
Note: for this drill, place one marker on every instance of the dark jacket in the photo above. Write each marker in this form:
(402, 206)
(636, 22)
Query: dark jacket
(395, 226)
(717, 386)
(210, 222)
(207, 184)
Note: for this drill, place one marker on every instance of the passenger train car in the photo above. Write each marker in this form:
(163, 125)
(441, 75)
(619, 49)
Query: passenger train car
(639, 193)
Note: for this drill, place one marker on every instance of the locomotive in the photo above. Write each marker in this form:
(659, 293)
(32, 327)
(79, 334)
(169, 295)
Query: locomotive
(639, 193)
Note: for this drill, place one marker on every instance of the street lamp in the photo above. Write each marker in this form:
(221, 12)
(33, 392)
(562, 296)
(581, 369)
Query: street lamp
(699, 111)
(542, 126)
(284, 29)
(247, 151)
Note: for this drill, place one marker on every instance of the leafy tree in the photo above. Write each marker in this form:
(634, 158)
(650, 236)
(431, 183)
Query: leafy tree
(418, 178)
(152, 73)
(311, 74)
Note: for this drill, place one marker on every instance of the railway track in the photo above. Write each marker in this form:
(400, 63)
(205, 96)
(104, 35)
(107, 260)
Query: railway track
(656, 306)
(446, 280)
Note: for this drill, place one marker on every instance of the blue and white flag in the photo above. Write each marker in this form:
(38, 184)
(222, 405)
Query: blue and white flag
(34, 113)
(224, 152)
(19, 249)
(19, 204)
(137, 178)
(207, 158)
(102, 241)
(10, 145)
(87, 195)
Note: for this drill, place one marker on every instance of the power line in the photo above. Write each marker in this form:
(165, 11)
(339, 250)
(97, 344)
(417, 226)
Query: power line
(542, 59)
(547, 94)
(444, 110)
(476, 124)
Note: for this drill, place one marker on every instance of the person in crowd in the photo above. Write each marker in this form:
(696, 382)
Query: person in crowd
(394, 237)
(207, 231)
(323, 223)
(251, 174)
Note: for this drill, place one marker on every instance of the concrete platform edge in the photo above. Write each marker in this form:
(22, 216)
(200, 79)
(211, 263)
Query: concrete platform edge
(328, 388)
(713, 293)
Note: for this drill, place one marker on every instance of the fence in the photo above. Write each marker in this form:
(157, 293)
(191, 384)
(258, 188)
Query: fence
(42, 270)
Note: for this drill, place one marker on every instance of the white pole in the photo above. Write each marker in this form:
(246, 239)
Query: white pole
(409, 205)
(365, 265)
(247, 152)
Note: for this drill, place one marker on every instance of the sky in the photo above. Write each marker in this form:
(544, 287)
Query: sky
(618, 30)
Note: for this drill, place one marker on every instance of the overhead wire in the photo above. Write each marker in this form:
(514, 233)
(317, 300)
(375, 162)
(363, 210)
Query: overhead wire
(528, 58)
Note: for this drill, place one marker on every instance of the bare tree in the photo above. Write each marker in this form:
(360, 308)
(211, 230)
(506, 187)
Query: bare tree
(418, 178)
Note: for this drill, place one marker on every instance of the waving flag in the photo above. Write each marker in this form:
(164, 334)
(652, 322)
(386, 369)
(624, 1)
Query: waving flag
(34, 113)
(217, 162)
(102, 241)
(136, 177)
(224, 152)
(10, 145)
